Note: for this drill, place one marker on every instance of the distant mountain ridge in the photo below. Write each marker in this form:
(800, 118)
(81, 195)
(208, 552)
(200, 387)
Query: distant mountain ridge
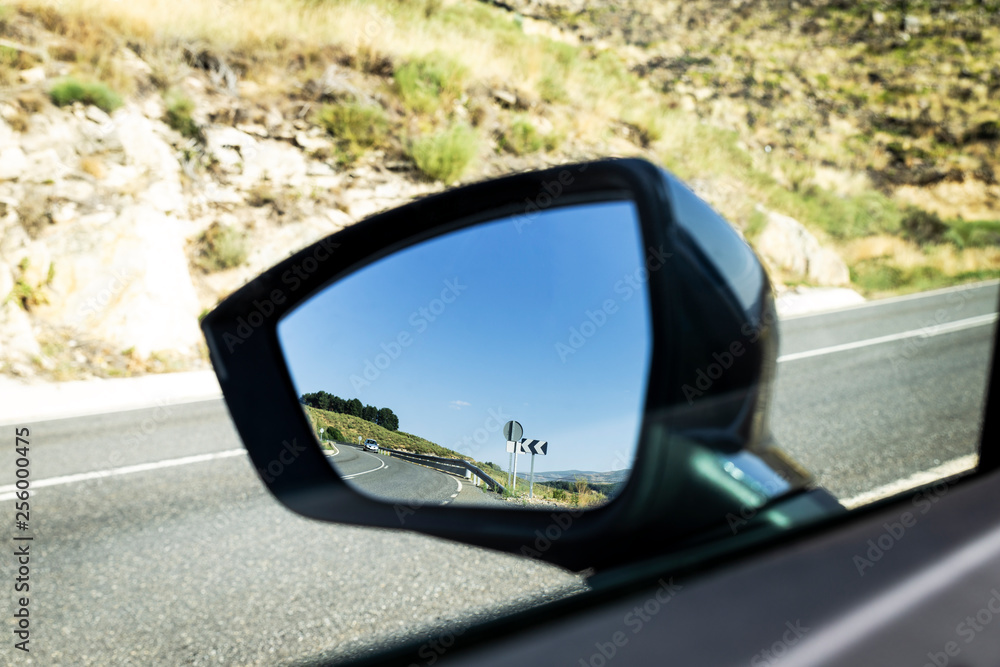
(611, 477)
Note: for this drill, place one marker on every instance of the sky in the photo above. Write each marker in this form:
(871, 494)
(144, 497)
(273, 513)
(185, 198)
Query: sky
(542, 321)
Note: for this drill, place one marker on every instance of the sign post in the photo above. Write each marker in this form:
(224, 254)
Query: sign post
(510, 459)
(512, 433)
(533, 447)
(513, 481)
(531, 483)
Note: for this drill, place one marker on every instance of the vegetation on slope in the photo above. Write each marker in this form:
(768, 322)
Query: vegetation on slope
(852, 118)
(347, 428)
(350, 428)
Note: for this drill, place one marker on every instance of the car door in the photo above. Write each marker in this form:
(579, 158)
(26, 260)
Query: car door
(719, 547)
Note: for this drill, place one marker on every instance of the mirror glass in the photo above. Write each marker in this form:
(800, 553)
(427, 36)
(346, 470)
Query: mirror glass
(410, 368)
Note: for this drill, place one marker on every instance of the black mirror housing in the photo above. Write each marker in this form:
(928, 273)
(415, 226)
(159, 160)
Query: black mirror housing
(714, 344)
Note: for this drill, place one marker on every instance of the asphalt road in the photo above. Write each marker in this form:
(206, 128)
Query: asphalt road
(196, 564)
(393, 479)
(188, 561)
(864, 417)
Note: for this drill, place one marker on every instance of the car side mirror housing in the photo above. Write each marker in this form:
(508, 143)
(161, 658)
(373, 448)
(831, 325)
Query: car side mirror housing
(681, 369)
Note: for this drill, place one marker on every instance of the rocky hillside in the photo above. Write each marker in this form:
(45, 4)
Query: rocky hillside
(897, 98)
(905, 91)
(155, 156)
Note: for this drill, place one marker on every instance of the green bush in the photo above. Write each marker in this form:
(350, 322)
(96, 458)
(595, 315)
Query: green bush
(424, 84)
(974, 234)
(848, 217)
(649, 122)
(875, 275)
(356, 127)
(521, 138)
(222, 247)
(178, 116)
(446, 155)
(552, 90)
(70, 90)
(922, 226)
(333, 433)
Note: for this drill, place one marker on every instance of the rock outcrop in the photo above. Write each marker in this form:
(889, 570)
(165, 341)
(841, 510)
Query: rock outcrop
(101, 215)
(118, 229)
(786, 244)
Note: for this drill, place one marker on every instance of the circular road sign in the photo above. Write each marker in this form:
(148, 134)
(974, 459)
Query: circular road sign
(512, 431)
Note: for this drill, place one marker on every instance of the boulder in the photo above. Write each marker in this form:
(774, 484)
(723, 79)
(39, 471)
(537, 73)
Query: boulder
(6, 281)
(17, 341)
(124, 280)
(53, 129)
(95, 115)
(785, 243)
(33, 75)
(45, 166)
(13, 163)
(335, 84)
(276, 162)
(802, 300)
(312, 143)
(144, 147)
(33, 261)
(504, 97)
(230, 146)
(150, 156)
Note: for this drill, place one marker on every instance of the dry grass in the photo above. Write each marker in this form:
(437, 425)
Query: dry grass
(953, 261)
(281, 43)
(32, 101)
(267, 34)
(883, 264)
(882, 245)
(19, 120)
(288, 25)
(943, 257)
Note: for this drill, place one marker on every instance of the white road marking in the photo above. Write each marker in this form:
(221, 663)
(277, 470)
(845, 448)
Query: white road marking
(953, 467)
(9, 491)
(381, 462)
(946, 469)
(454, 495)
(925, 332)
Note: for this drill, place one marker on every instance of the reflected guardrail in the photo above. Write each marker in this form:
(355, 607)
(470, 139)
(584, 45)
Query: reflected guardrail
(454, 466)
(489, 481)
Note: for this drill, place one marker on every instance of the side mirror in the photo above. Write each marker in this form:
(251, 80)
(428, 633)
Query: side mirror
(598, 316)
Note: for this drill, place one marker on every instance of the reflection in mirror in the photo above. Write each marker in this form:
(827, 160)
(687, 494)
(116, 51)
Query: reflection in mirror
(410, 368)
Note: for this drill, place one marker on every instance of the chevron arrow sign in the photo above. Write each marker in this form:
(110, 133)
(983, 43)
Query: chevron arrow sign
(534, 446)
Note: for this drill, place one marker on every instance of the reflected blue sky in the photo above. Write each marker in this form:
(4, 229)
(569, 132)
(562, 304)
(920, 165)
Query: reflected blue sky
(546, 323)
